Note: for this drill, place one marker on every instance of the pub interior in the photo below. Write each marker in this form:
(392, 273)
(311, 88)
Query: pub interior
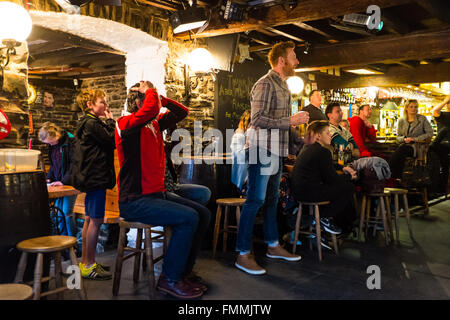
(64, 225)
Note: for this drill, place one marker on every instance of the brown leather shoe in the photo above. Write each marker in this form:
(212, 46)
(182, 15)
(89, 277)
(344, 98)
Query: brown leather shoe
(279, 252)
(178, 289)
(196, 282)
(248, 264)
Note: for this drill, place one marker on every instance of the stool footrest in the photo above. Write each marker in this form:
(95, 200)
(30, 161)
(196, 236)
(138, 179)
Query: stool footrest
(57, 290)
(44, 279)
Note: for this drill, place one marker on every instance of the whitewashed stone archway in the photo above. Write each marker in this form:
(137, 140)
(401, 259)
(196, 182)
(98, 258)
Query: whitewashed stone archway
(145, 55)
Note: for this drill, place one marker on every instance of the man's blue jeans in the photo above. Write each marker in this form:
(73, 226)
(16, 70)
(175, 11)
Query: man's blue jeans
(262, 192)
(194, 192)
(156, 210)
(204, 216)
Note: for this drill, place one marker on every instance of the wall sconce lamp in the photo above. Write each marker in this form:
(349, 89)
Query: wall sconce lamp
(15, 27)
(200, 61)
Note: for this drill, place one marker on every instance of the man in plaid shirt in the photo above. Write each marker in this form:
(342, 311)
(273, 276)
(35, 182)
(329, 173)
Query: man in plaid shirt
(267, 144)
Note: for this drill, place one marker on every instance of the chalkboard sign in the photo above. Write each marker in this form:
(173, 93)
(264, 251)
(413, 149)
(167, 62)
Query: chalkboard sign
(232, 92)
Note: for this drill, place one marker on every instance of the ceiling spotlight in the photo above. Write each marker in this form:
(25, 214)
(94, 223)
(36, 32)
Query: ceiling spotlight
(307, 47)
(191, 18)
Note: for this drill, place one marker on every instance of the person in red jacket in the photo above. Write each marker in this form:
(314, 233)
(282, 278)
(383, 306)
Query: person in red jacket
(363, 131)
(142, 196)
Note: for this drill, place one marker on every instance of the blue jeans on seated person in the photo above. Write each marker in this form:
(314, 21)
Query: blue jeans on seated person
(66, 204)
(156, 210)
(263, 191)
(194, 192)
(204, 216)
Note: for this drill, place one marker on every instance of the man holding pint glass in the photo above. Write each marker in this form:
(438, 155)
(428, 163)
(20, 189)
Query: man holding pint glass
(267, 144)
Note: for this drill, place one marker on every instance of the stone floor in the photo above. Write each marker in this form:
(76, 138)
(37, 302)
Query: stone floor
(412, 269)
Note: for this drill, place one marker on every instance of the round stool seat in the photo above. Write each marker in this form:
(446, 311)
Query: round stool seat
(47, 244)
(137, 225)
(396, 190)
(378, 194)
(15, 291)
(320, 203)
(231, 201)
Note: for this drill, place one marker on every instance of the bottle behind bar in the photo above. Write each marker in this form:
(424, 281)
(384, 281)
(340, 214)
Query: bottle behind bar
(341, 155)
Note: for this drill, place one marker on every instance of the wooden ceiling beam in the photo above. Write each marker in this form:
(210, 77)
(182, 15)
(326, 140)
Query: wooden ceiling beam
(437, 8)
(284, 34)
(393, 23)
(267, 32)
(58, 36)
(259, 38)
(64, 60)
(307, 27)
(159, 4)
(307, 10)
(428, 73)
(400, 63)
(413, 46)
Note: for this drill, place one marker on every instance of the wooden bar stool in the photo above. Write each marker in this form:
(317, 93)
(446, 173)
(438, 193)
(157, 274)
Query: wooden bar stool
(15, 291)
(313, 211)
(403, 192)
(42, 245)
(147, 252)
(227, 203)
(414, 163)
(383, 209)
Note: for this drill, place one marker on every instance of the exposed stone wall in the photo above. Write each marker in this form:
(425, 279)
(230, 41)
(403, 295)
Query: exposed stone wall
(64, 112)
(201, 99)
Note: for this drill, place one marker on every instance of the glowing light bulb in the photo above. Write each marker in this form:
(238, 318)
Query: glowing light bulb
(295, 84)
(15, 22)
(200, 60)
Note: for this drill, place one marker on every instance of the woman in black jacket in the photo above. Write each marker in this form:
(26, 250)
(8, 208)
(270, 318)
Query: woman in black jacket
(60, 154)
(93, 173)
(314, 178)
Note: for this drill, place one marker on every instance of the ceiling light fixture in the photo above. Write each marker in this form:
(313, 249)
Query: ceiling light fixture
(191, 18)
(307, 47)
(363, 71)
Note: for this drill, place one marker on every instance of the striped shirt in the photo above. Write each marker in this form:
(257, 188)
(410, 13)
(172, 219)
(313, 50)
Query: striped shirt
(270, 112)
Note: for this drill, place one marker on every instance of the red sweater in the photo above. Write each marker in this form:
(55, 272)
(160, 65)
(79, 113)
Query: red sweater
(362, 134)
(140, 146)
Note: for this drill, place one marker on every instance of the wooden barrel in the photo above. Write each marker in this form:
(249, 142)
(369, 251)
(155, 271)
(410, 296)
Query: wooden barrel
(211, 171)
(24, 214)
(216, 176)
